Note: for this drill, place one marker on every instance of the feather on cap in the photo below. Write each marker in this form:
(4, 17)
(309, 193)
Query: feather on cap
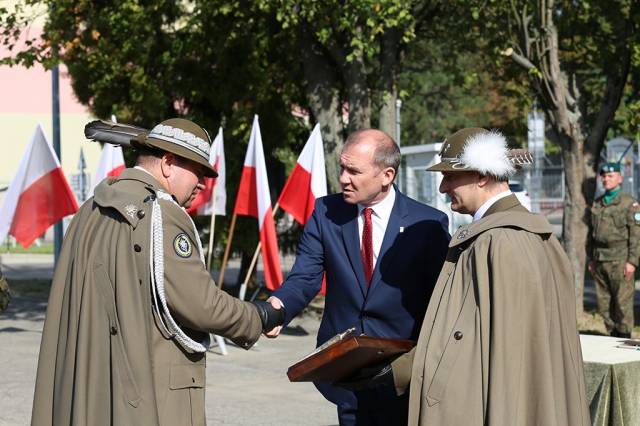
(487, 153)
(480, 150)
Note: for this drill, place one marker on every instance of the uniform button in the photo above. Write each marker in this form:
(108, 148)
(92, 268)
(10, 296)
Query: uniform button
(140, 214)
(137, 248)
(113, 330)
(457, 335)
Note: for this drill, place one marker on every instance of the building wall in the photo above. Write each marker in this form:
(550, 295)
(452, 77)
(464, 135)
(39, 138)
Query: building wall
(25, 101)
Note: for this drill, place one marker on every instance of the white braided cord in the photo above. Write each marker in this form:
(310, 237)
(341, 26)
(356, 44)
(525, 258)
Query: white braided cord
(157, 277)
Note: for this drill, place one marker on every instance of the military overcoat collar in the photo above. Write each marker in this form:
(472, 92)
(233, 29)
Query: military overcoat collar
(133, 204)
(507, 212)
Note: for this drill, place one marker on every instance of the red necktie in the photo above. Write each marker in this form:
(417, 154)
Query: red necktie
(367, 245)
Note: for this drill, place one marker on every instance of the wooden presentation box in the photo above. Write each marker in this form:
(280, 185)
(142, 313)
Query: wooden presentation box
(345, 357)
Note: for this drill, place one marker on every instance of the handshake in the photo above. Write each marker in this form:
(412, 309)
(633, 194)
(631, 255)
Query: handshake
(269, 315)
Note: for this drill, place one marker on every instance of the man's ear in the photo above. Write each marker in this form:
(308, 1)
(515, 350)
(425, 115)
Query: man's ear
(387, 176)
(167, 162)
(483, 180)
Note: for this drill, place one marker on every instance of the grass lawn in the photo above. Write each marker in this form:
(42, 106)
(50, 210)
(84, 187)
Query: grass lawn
(32, 249)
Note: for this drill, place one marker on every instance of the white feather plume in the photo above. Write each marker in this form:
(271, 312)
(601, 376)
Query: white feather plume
(487, 153)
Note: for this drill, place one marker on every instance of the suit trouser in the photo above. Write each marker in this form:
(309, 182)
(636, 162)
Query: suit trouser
(615, 297)
(373, 407)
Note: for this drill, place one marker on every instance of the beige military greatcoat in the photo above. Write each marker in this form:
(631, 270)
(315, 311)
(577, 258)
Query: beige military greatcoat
(103, 359)
(499, 344)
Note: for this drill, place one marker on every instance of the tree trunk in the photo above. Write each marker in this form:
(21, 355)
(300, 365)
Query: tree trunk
(388, 85)
(324, 101)
(358, 95)
(574, 223)
(565, 109)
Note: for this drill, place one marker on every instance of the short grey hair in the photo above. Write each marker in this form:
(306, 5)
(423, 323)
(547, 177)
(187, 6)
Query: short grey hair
(387, 153)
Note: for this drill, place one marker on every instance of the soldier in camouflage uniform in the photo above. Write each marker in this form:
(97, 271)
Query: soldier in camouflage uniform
(613, 249)
(5, 293)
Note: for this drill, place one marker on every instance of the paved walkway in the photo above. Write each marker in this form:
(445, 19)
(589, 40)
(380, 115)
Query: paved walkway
(243, 388)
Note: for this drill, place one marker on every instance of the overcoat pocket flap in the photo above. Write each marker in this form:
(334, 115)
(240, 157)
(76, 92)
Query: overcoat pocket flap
(187, 376)
(452, 350)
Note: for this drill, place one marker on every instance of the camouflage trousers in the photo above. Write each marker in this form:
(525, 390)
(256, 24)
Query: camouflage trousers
(615, 297)
(5, 294)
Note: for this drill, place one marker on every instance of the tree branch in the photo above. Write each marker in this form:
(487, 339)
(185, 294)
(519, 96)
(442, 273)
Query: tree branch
(519, 59)
(613, 94)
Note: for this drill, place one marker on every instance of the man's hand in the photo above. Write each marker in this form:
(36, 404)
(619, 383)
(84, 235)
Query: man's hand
(276, 304)
(628, 271)
(369, 377)
(270, 316)
(591, 266)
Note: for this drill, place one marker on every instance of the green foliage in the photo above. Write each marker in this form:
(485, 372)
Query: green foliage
(219, 62)
(216, 62)
(444, 92)
(592, 38)
(354, 26)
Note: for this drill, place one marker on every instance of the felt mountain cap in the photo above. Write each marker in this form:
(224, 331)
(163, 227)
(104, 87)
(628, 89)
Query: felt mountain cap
(610, 168)
(480, 150)
(180, 137)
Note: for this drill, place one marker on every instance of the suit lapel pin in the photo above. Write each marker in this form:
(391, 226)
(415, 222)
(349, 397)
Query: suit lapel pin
(463, 234)
(401, 229)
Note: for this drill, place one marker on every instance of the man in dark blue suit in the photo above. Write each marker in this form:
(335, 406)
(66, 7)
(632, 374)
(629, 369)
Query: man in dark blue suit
(382, 253)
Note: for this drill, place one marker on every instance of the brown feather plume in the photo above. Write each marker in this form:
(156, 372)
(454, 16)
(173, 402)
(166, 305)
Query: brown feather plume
(113, 133)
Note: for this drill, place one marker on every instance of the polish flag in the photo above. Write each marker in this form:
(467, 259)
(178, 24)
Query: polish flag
(38, 195)
(111, 165)
(308, 180)
(204, 201)
(254, 200)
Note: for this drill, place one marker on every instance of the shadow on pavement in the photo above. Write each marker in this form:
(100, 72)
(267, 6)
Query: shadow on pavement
(24, 308)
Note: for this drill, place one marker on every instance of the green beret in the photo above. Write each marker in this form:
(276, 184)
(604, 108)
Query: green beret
(610, 168)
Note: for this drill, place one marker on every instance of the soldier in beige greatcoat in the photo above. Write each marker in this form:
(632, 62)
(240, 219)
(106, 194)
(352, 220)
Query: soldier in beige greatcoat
(499, 342)
(132, 304)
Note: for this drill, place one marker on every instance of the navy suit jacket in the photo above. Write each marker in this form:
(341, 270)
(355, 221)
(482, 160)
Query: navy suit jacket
(411, 256)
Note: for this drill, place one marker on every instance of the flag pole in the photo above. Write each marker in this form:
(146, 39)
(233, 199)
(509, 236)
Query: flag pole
(212, 227)
(243, 287)
(58, 232)
(219, 339)
(225, 258)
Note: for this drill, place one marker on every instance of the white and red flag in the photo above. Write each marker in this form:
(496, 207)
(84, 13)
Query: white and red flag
(38, 195)
(111, 165)
(214, 187)
(254, 200)
(307, 181)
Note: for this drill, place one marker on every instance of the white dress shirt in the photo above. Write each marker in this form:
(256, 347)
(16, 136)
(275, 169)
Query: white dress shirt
(487, 204)
(379, 219)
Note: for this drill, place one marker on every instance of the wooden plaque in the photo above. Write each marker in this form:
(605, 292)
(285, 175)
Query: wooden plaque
(345, 357)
